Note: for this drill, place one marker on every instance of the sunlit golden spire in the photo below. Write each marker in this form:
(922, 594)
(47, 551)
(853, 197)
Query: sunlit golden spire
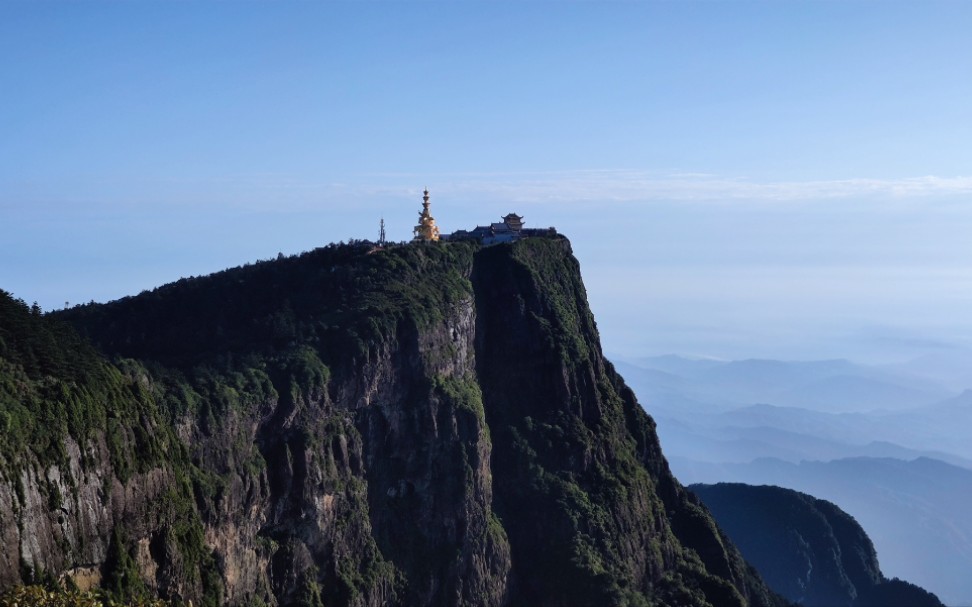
(426, 230)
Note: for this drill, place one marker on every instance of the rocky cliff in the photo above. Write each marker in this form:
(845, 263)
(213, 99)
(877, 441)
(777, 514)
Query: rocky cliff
(807, 549)
(417, 425)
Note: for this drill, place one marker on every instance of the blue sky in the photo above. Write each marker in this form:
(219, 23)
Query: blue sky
(787, 179)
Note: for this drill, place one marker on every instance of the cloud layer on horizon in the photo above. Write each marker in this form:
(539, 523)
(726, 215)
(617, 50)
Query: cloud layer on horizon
(289, 192)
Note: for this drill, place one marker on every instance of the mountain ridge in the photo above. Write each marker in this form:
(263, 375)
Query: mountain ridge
(807, 549)
(886, 496)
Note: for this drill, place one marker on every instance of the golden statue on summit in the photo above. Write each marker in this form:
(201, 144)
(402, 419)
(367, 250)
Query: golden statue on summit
(426, 230)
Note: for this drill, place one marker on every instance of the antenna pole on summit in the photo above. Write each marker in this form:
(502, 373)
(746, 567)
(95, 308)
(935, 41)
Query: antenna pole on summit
(381, 233)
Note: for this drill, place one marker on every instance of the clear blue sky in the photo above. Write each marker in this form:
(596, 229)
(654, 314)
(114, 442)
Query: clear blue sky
(788, 179)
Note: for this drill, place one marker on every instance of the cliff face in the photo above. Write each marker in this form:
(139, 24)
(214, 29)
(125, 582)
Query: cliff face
(609, 523)
(807, 549)
(93, 482)
(423, 425)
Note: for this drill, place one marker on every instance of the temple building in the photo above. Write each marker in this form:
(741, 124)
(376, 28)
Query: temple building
(426, 230)
(510, 229)
(513, 221)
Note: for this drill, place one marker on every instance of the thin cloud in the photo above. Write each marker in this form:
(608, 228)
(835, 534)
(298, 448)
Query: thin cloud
(633, 186)
(290, 192)
(623, 186)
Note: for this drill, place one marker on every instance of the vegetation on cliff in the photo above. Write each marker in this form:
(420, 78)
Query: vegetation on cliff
(426, 424)
(53, 384)
(40, 596)
(55, 391)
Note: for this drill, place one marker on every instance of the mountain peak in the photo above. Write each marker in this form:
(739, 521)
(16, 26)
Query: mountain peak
(428, 424)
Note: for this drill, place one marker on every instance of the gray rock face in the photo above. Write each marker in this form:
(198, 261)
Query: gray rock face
(59, 520)
(414, 426)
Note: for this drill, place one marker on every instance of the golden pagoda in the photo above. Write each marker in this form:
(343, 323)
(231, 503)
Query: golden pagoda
(426, 230)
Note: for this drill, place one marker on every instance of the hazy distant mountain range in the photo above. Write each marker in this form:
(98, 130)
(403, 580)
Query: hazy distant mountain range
(742, 410)
(887, 444)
